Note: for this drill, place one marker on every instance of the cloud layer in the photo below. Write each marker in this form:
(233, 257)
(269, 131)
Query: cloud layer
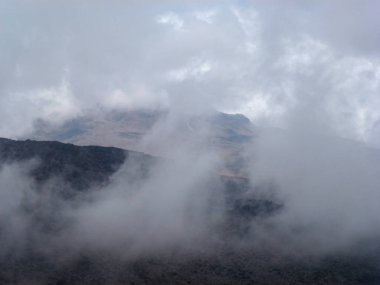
(60, 59)
(311, 68)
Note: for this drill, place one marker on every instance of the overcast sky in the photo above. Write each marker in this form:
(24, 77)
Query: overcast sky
(310, 67)
(277, 62)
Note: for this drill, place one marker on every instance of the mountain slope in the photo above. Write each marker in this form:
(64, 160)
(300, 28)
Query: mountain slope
(80, 166)
(127, 129)
(30, 258)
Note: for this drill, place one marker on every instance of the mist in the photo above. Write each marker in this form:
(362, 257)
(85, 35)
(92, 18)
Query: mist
(307, 75)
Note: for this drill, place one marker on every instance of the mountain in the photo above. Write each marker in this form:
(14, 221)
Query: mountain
(128, 129)
(82, 168)
(79, 166)
(228, 134)
(86, 169)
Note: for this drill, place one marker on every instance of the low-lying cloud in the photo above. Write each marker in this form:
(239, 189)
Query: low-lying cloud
(309, 83)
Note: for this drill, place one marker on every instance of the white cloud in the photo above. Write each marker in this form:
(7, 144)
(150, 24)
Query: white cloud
(172, 19)
(250, 57)
(196, 68)
(206, 16)
(54, 104)
(284, 63)
(137, 97)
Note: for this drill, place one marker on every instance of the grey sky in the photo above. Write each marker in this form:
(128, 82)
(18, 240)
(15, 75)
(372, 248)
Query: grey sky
(262, 58)
(310, 67)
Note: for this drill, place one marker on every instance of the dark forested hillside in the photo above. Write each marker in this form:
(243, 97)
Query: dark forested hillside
(79, 166)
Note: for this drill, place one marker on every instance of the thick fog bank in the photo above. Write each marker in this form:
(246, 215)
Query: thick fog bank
(306, 74)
